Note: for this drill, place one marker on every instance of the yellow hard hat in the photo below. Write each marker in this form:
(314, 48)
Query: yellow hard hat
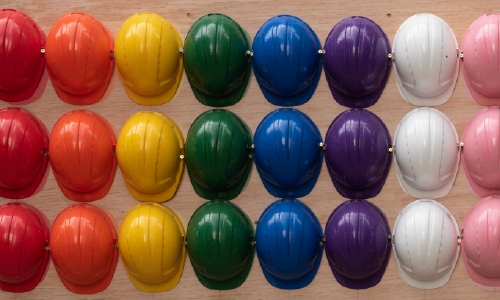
(151, 243)
(150, 151)
(148, 58)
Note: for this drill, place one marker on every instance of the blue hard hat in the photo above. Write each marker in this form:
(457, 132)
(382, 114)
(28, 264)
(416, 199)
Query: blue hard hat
(286, 61)
(288, 244)
(287, 153)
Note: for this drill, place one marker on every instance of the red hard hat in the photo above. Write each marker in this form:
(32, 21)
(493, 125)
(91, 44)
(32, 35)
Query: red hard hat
(21, 42)
(82, 146)
(24, 255)
(79, 62)
(83, 246)
(23, 147)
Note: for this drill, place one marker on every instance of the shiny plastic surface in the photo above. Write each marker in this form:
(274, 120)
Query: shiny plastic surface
(23, 145)
(357, 245)
(151, 243)
(288, 246)
(356, 62)
(78, 53)
(24, 236)
(83, 248)
(217, 66)
(480, 242)
(149, 150)
(425, 60)
(481, 61)
(287, 153)
(425, 243)
(357, 153)
(82, 155)
(21, 41)
(148, 59)
(218, 155)
(219, 243)
(427, 153)
(286, 62)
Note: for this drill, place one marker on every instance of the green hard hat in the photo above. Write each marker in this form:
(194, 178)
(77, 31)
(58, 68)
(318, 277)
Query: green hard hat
(220, 245)
(216, 61)
(218, 154)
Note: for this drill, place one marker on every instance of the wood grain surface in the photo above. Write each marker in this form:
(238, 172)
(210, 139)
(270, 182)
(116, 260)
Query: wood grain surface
(321, 15)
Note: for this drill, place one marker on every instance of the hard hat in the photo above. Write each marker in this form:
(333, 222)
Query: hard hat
(288, 243)
(220, 245)
(425, 60)
(480, 242)
(151, 242)
(24, 240)
(287, 153)
(148, 58)
(425, 244)
(23, 153)
(481, 152)
(286, 60)
(356, 61)
(82, 155)
(357, 244)
(23, 64)
(427, 155)
(216, 61)
(357, 153)
(83, 248)
(150, 149)
(480, 64)
(218, 155)
(79, 58)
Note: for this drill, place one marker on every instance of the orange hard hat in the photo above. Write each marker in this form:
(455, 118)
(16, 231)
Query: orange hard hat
(79, 61)
(81, 148)
(83, 246)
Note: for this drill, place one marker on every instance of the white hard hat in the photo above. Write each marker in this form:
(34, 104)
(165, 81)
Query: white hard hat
(425, 60)
(425, 243)
(426, 153)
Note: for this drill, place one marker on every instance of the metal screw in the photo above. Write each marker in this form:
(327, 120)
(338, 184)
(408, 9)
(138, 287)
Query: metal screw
(182, 156)
(249, 53)
(460, 144)
(42, 50)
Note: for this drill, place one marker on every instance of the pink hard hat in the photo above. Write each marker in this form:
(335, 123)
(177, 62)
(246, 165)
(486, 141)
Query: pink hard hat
(481, 59)
(481, 237)
(481, 152)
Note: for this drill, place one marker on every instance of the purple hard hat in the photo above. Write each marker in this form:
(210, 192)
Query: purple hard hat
(357, 244)
(356, 62)
(357, 153)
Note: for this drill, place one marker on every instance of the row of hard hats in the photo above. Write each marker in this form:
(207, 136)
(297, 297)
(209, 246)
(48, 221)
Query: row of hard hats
(286, 56)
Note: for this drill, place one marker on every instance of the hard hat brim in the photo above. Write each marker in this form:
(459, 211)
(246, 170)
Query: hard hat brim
(474, 94)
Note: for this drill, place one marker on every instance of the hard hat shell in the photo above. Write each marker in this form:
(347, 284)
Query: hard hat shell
(425, 60)
(357, 245)
(21, 42)
(24, 240)
(217, 66)
(149, 150)
(480, 243)
(425, 244)
(480, 153)
(357, 153)
(356, 61)
(427, 155)
(218, 155)
(288, 238)
(286, 62)
(79, 61)
(148, 58)
(83, 248)
(151, 242)
(220, 245)
(287, 153)
(82, 155)
(23, 153)
(480, 64)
